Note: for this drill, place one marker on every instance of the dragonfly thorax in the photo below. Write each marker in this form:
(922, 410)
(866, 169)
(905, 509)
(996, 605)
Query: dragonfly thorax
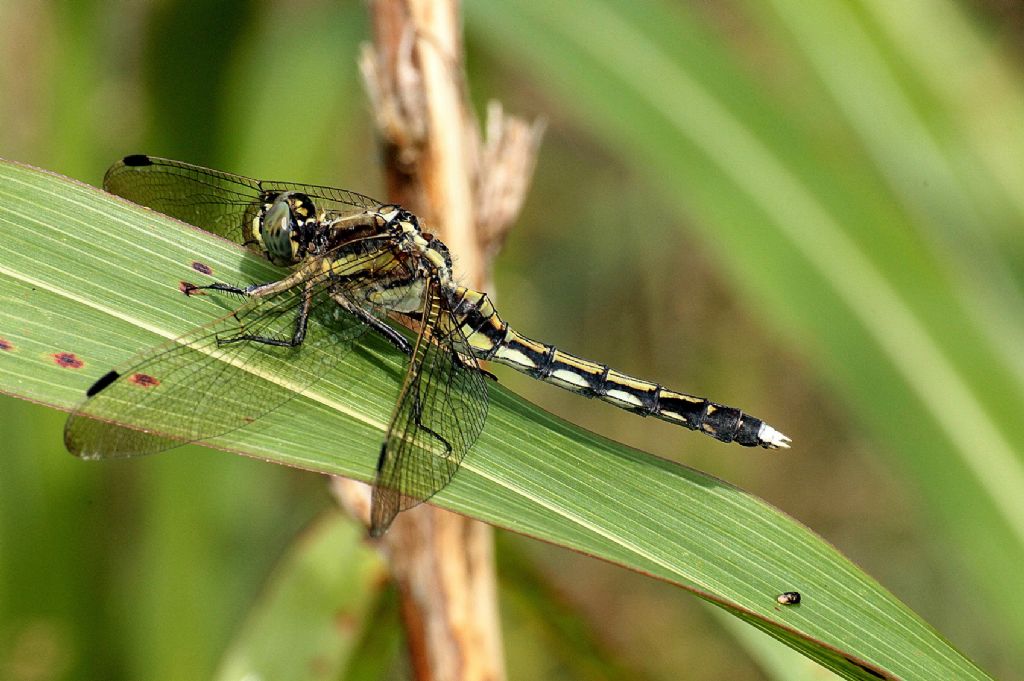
(431, 251)
(438, 247)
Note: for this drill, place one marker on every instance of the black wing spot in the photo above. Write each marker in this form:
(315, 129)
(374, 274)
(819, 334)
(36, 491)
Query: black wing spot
(104, 380)
(137, 160)
(67, 360)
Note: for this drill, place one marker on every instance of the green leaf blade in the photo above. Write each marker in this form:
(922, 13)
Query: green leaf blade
(85, 272)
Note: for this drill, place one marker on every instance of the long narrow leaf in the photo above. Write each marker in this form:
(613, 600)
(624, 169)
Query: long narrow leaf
(86, 280)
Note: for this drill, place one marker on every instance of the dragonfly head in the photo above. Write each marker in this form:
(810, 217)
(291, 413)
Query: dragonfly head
(285, 227)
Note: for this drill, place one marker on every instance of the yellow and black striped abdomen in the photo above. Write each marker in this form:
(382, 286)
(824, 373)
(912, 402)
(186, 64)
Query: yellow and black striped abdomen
(492, 339)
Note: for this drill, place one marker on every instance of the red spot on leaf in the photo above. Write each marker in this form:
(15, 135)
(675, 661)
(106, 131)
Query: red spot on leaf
(202, 267)
(6, 344)
(67, 360)
(189, 289)
(144, 380)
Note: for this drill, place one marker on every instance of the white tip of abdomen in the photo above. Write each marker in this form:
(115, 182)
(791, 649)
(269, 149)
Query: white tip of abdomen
(771, 438)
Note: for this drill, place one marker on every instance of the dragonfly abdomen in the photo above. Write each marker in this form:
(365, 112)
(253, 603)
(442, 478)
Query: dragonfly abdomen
(492, 339)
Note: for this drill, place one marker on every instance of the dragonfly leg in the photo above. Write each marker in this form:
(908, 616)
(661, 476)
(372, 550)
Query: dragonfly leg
(389, 334)
(303, 275)
(252, 291)
(297, 337)
(225, 288)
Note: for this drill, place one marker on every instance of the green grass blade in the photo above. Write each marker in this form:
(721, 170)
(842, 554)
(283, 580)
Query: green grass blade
(86, 274)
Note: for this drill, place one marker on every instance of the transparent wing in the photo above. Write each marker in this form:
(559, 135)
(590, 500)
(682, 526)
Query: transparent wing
(219, 202)
(331, 198)
(202, 385)
(440, 413)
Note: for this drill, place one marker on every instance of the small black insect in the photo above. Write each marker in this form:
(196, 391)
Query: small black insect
(789, 598)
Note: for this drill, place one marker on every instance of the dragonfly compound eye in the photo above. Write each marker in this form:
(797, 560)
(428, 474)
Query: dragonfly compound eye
(278, 230)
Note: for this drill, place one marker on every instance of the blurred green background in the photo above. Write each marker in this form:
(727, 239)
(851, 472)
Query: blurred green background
(810, 210)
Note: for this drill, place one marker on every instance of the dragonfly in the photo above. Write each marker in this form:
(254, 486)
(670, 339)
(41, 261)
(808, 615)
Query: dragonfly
(356, 265)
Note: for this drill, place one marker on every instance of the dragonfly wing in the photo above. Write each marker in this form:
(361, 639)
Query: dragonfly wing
(341, 200)
(219, 202)
(199, 386)
(439, 415)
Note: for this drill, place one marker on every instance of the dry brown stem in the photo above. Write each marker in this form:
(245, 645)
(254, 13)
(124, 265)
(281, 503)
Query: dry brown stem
(467, 191)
